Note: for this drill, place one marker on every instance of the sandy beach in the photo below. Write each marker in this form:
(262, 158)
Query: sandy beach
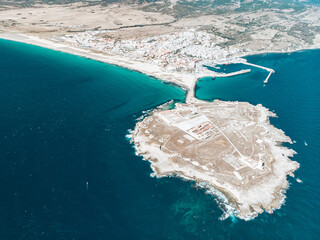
(244, 203)
(161, 44)
(173, 49)
(183, 80)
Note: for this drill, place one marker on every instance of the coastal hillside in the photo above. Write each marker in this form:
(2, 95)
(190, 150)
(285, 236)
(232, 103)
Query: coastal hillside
(89, 88)
(177, 4)
(170, 35)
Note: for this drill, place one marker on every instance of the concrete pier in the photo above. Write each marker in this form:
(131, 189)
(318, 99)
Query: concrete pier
(243, 71)
(208, 73)
(257, 66)
(190, 94)
(265, 68)
(265, 81)
(215, 74)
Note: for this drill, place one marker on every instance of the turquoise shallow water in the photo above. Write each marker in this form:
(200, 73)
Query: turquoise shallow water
(63, 123)
(293, 93)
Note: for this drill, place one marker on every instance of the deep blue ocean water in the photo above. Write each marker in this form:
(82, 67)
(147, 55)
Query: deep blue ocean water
(63, 124)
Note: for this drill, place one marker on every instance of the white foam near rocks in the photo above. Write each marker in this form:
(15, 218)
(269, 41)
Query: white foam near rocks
(247, 203)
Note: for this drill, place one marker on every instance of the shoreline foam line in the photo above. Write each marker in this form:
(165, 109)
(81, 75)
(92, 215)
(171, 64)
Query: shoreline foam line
(184, 80)
(120, 61)
(251, 198)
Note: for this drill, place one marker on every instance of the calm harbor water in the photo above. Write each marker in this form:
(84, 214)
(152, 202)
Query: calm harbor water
(68, 172)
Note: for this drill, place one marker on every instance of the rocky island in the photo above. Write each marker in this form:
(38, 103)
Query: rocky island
(228, 146)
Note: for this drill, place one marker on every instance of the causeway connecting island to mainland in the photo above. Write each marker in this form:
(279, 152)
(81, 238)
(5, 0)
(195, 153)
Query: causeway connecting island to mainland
(228, 148)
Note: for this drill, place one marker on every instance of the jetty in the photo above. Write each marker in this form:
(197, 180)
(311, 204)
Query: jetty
(215, 74)
(243, 71)
(244, 61)
(266, 80)
(258, 66)
(191, 93)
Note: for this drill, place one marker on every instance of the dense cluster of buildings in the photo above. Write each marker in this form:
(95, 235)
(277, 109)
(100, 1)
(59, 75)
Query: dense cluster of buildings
(175, 52)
